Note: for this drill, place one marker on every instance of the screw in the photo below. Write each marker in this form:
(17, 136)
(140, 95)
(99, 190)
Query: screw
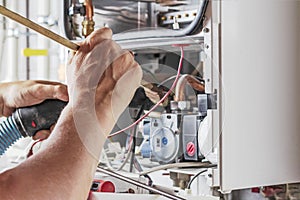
(206, 30)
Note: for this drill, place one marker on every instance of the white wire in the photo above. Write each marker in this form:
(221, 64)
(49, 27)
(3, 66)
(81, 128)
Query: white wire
(129, 154)
(177, 165)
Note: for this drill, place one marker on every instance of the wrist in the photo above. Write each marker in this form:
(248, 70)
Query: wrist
(84, 124)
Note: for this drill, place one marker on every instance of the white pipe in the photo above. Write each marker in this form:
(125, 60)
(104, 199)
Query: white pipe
(2, 44)
(56, 8)
(12, 46)
(43, 62)
(56, 60)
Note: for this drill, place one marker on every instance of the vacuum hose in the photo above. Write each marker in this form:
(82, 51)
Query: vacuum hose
(9, 134)
(28, 121)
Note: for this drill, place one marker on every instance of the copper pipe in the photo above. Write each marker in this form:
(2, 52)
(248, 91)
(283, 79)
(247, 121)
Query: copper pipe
(89, 11)
(88, 22)
(179, 90)
(180, 87)
(195, 83)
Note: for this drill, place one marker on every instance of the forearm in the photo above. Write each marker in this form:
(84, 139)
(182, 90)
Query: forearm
(102, 79)
(62, 170)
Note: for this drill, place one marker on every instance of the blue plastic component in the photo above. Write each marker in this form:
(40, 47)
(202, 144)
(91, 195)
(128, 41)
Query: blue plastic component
(164, 140)
(146, 150)
(146, 130)
(9, 134)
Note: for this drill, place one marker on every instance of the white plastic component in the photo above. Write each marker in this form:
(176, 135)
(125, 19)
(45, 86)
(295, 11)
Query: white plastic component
(175, 24)
(164, 141)
(164, 144)
(212, 177)
(205, 141)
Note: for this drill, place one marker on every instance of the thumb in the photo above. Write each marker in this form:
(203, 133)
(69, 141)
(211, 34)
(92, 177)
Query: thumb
(42, 134)
(52, 92)
(95, 38)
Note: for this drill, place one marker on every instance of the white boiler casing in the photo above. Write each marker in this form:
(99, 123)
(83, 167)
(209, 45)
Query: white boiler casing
(260, 70)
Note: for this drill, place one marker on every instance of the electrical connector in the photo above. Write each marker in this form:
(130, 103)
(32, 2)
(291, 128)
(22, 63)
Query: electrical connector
(175, 24)
(187, 192)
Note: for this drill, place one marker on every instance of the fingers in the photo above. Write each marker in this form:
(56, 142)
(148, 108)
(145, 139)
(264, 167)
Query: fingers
(153, 96)
(60, 92)
(86, 47)
(26, 93)
(95, 38)
(123, 63)
(34, 92)
(121, 97)
(90, 42)
(71, 55)
(44, 82)
(50, 91)
(43, 134)
(7, 111)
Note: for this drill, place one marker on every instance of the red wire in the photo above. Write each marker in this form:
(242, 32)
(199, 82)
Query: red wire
(158, 103)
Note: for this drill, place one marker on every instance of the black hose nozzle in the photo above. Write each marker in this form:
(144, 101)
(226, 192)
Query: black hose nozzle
(28, 121)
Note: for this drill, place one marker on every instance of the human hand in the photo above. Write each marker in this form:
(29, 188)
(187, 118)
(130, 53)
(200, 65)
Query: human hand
(26, 93)
(102, 79)
(43, 134)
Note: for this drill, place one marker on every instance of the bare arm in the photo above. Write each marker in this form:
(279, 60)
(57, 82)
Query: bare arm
(65, 167)
(61, 171)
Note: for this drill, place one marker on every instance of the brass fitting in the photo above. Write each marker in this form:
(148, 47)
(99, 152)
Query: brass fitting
(87, 27)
